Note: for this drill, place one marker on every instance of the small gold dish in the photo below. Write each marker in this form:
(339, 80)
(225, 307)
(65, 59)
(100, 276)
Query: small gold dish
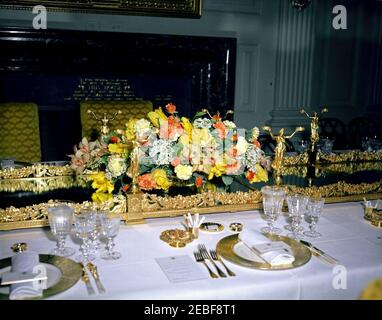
(177, 238)
(236, 227)
(211, 227)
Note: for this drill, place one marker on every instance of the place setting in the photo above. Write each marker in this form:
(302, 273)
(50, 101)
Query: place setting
(32, 275)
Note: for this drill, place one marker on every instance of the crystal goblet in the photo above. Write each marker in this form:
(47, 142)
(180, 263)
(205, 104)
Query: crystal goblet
(273, 199)
(315, 207)
(60, 221)
(110, 228)
(297, 206)
(85, 226)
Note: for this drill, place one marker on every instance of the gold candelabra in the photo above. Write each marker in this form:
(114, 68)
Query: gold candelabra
(104, 121)
(314, 127)
(280, 149)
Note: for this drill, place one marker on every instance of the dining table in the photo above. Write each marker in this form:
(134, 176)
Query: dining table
(346, 236)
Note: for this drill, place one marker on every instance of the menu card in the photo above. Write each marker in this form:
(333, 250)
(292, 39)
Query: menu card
(180, 269)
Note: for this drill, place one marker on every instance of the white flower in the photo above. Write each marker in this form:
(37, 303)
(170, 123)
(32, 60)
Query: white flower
(229, 124)
(183, 172)
(116, 166)
(255, 133)
(161, 151)
(242, 145)
(142, 126)
(253, 157)
(202, 123)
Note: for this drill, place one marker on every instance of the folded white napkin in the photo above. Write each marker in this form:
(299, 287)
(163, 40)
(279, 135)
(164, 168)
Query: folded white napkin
(274, 252)
(24, 262)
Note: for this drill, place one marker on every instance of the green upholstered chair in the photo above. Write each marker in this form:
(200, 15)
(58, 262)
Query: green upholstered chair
(19, 132)
(130, 109)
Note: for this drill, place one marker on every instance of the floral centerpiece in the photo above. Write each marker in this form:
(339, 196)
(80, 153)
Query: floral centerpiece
(172, 151)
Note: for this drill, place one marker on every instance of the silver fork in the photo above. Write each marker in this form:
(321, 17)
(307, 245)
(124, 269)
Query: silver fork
(205, 255)
(216, 257)
(199, 258)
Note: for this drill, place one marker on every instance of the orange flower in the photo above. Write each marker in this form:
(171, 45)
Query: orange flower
(146, 182)
(234, 137)
(233, 168)
(216, 117)
(198, 182)
(171, 129)
(114, 139)
(232, 152)
(126, 187)
(171, 108)
(250, 175)
(256, 143)
(221, 128)
(176, 161)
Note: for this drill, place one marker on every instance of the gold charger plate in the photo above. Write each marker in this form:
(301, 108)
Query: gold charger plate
(225, 248)
(71, 272)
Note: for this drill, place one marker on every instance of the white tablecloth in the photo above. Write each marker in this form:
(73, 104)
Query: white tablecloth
(346, 236)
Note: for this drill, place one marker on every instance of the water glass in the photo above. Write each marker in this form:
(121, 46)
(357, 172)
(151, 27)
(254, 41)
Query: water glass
(297, 207)
(110, 228)
(60, 221)
(273, 199)
(85, 226)
(315, 207)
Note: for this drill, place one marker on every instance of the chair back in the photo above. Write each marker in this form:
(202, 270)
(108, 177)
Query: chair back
(19, 132)
(334, 128)
(130, 109)
(359, 128)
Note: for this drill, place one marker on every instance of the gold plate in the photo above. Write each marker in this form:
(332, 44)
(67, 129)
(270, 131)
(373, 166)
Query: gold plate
(71, 272)
(301, 253)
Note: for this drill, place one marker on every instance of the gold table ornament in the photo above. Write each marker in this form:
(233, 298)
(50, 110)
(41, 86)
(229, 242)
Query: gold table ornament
(236, 227)
(177, 238)
(278, 161)
(211, 227)
(314, 127)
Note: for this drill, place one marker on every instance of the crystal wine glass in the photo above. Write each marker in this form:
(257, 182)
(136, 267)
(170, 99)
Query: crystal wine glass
(273, 199)
(315, 206)
(297, 206)
(85, 226)
(110, 228)
(60, 221)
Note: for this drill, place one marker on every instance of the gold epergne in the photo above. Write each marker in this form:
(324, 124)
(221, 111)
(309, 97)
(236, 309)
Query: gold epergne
(280, 149)
(314, 126)
(104, 121)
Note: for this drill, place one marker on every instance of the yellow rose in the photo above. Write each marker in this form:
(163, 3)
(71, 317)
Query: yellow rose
(101, 184)
(161, 114)
(261, 173)
(183, 172)
(201, 137)
(160, 178)
(101, 197)
(217, 170)
(130, 129)
(117, 148)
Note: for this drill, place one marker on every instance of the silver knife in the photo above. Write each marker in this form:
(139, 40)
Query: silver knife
(93, 270)
(329, 258)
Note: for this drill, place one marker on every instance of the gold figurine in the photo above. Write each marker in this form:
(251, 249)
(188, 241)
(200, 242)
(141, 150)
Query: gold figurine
(105, 121)
(314, 126)
(280, 149)
(133, 171)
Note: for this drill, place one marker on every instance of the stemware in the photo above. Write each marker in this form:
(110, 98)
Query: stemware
(297, 206)
(85, 226)
(110, 228)
(273, 199)
(315, 206)
(60, 221)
